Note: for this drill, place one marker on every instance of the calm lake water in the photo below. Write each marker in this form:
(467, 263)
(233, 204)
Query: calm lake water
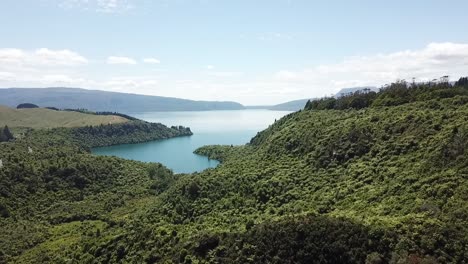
(209, 128)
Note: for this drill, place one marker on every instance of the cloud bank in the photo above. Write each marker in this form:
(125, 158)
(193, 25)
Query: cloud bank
(41, 57)
(46, 67)
(435, 60)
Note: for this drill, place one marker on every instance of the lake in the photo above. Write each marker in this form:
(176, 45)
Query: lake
(235, 127)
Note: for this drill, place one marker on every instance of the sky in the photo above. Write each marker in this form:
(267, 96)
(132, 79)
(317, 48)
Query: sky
(255, 52)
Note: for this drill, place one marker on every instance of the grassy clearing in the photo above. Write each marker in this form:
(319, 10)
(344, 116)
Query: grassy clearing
(46, 118)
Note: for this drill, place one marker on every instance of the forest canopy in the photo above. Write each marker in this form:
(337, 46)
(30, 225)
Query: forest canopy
(366, 178)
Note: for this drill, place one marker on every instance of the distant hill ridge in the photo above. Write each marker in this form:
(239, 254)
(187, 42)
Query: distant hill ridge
(96, 100)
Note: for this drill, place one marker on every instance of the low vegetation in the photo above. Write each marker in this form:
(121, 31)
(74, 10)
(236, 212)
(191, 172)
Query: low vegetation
(48, 118)
(380, 183)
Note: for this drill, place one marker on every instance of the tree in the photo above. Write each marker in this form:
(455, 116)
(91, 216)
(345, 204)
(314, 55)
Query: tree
(7, 133)
(27, 105)
(193, 190)
(463, 82)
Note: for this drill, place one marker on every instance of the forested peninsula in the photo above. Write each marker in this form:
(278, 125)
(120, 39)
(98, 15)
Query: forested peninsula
(370, 177)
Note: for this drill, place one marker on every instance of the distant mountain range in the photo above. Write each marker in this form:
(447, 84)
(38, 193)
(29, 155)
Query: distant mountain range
(290, 106)
(95, 100)
(287, 106)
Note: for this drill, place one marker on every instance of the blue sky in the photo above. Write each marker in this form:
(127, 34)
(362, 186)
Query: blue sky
(254, 52)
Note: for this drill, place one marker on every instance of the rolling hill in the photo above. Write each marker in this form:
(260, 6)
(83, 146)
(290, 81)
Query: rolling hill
(95, 100)
(46, 118)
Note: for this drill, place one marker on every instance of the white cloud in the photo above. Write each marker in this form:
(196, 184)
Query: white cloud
(433, 61)
(120, 60)
(103, 6)
(23, 68)
(151, 61)
(58, 78)
(59, 57)
(43, 57)
(7, 76)
(11, 55)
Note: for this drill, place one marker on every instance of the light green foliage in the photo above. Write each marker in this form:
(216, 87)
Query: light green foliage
(47, 118)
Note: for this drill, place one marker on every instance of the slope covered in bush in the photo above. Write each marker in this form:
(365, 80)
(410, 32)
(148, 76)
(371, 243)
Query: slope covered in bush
(378, 184)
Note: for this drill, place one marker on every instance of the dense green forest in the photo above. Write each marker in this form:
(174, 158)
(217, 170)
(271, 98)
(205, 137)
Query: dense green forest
(105, 113)
(394, 94)
(370, 178)
(130, 132)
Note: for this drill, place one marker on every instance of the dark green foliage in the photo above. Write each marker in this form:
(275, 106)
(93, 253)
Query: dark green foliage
(397, 93)
(129, 132)
(193, 190)
(356, 100)
(53, 108)
(216, 152)
(205, 244)
(5, 134)
(85, 111)
(4, 211)
(306, 239)
(26, 105)
(462, 82)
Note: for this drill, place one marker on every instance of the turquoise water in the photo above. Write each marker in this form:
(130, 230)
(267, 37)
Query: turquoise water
(209, 127)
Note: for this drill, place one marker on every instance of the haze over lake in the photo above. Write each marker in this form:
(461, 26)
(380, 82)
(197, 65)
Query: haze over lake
(235, 127)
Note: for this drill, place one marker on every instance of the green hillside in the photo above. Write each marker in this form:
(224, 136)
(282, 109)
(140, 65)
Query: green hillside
(370, 178)
(46, 118)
